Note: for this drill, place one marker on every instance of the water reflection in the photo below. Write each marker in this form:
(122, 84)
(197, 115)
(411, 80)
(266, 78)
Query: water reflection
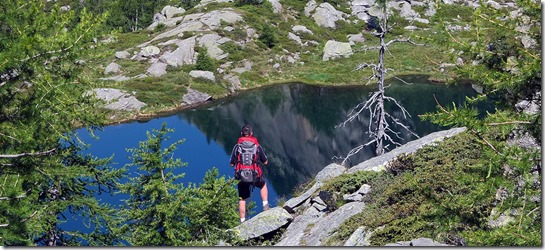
(295, 123)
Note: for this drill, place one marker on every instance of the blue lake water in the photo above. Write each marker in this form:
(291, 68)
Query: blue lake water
(295, 124)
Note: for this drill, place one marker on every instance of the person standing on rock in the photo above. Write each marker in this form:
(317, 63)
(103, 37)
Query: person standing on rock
(244, 157)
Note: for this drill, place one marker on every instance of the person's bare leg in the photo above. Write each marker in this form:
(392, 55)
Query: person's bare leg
(264, 197)
(242, 210)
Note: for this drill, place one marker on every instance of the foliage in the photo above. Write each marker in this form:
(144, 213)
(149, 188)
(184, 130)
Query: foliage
(161, 211)
(449, 196)
(204, 61)
(268, 36)
(46, 180)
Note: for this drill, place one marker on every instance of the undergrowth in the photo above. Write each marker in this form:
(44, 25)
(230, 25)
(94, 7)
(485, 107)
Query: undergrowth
(445, 193)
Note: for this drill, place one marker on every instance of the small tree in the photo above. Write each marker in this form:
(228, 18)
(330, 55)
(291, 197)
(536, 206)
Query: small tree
(268, 36)
(161, 211)
(204, 61)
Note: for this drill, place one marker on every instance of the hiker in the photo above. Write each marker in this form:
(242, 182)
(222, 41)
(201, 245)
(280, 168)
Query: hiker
(244, 158)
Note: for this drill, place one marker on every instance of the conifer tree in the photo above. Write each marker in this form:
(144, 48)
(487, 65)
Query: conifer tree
(162, 211)
(44, 178)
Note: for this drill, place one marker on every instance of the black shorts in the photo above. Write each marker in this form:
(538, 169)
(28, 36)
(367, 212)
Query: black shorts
(244, 188)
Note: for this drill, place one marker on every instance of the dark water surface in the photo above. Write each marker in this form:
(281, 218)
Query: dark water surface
(295, 124)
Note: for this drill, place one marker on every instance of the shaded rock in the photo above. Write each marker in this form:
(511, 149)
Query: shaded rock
(157, 69)
(378, 163)
(360, 237)
(112, 68)
(334, 49)
(193, 97)
(324, 228)
(296, 230)
(203, 74)
(418, 242)
(263, 223)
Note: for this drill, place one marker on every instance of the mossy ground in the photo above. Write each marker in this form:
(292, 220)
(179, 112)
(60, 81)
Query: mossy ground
(444, 193)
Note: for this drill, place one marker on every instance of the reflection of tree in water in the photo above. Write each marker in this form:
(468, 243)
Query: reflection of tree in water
(295, 124)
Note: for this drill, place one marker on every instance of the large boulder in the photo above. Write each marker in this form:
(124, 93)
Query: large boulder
(263, 223)
(325, 15)
(334, 50)
(157, 69)
(212, 42)
(193, 97)
(324, 228)
(207, 75)
(379, 163)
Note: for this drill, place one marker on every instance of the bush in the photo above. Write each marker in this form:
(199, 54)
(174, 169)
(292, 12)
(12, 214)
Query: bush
(204, 61)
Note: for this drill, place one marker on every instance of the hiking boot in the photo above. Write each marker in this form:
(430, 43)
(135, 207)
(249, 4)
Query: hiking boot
(265, 207)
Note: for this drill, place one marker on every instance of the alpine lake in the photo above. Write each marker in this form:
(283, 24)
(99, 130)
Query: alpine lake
(297, 125)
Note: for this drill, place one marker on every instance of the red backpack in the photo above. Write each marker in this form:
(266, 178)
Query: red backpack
(246, 169)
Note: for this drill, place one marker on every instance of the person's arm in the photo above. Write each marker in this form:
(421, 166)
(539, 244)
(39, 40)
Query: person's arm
(262, 156)
(233, 160)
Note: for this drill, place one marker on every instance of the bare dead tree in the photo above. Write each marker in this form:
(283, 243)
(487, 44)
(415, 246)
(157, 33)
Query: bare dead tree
(380, 121)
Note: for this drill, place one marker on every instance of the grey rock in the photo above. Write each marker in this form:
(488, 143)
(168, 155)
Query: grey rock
(122, 54)
(203, 74)
(310, 7)
(169, 11)
(356, 38)
(296, 230)
(112, 68)
(212, 43)
(329, 172)
(296, 201)
(358, 195)
(193, 97)
(325, 15)
(277, 6)
(324, 228)
(118, 99)
(149, 51)
(184, 54)
(234, 81)
(360, 237)
(157, 69)
(301, 29)
(295, 38)
(334, 50)
(263, 223)
(378, 163)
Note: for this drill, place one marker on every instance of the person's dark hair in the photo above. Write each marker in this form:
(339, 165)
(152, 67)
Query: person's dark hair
(246, 130)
